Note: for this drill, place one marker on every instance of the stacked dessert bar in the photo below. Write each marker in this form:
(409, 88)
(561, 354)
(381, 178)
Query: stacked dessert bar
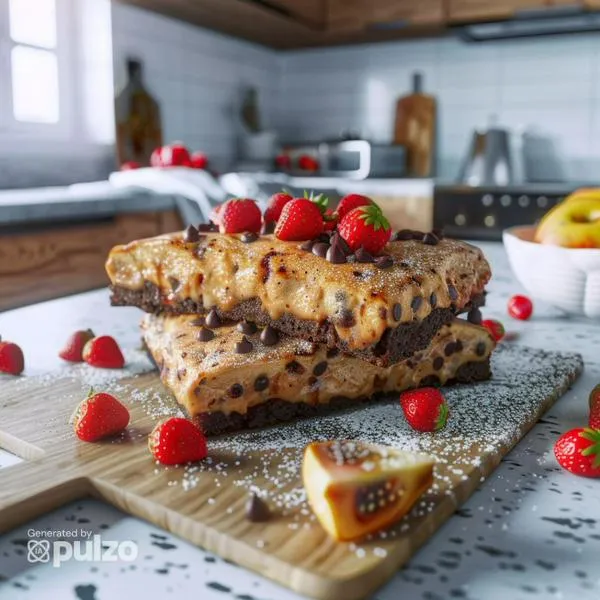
(249, 330)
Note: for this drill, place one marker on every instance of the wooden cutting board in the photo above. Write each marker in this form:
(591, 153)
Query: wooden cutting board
(415, 130)
(205, 504)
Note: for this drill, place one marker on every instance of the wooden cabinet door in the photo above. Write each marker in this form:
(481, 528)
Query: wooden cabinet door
(591, 3)
(482, 10)
(347, 15)
(421, 12)
(309, 11)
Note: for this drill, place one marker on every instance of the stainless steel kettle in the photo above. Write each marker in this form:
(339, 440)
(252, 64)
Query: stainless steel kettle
(488, 161)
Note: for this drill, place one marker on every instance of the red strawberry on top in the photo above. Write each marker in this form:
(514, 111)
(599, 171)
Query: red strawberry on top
(578, 451)
(425, 409)
(365, 226)
(495, 328)
(301, 219)
(99, 416)
(520, 307)
(276, 203)
(12, 360)
(199, 160)
(156, 157)
(73, 349)
(595, 408)
(175, 155)
(238, 215)
(177, 441)
(330, 220)
(103, 352)
(350, 202)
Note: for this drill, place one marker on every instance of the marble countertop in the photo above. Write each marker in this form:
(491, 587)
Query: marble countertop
(80, 201)
(530, 531)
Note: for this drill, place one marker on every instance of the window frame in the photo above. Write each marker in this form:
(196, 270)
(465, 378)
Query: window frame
(68, 80)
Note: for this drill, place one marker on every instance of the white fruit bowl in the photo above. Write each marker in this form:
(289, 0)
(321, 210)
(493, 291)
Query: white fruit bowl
(568, 278)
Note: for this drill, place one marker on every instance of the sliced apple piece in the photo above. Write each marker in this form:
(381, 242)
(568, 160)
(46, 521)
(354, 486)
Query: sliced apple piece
(355, 489)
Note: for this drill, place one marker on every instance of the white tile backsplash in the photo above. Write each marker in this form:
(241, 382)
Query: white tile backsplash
(548, 85)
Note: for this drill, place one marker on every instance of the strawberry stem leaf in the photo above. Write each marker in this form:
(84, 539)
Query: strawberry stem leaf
(321, 200)
(442, 417)
(372, 215)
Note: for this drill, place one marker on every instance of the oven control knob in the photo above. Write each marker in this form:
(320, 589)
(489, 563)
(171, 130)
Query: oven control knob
(460, 219)
(489, 221)
(505, 200)
(542, 201)
(523, 201)
(487, 199)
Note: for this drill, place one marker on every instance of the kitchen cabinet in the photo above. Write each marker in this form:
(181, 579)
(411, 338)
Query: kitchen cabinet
(465, 11)
(423, 12)
(311, 12)
(40, 263)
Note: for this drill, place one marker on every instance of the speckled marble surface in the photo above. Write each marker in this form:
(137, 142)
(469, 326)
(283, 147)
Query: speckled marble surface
(530, 531)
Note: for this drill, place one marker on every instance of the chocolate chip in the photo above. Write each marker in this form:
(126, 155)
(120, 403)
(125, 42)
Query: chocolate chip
(458, 346)
(269, 336)
(236, 390)
(295, 367)
(267, 228)
(438, 363)
(247, 327)
(244, 346)
(433, 300)
(416, 303)
(207, 227)
(338, 240)
(261, 383)
(320, 368)
(307, 246)
(397, 311)
(450, 349)
(384, 262)
(323, 237)
(438, 232)
(332, 352)
(197, 322)
(212, 319)
(174, 283)
(257, 510)
(205, 335)
(453, 293)
(335, 255)
(320, 249)
(474, 316)
(347, 318)
(191, 235)
(362, 256)
(480, 349)
(248, 237)
(430, 239)
(403, 235)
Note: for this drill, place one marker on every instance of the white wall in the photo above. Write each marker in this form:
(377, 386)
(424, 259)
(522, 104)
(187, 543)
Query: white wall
(196, 76)
(551, 84)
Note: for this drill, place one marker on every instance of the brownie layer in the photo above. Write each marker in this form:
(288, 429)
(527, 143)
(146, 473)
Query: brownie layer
(360, 302)
(275, 410)
(395, 345)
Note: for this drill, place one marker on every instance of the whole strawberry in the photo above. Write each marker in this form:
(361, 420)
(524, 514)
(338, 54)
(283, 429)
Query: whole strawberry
(73, 349)
(595, 408)
(238, 215)
(175, 155)
(99, 416)
(177, 441)
(308, 163)
(103, 352)
(330, 220)
(578, 451)
(350, 202)
(156, 157)
(12, 360)
(301, 219)
(425, 409)
(520, 307)
(365, 226)
(495, 328)
(275, 206)
(199, 160)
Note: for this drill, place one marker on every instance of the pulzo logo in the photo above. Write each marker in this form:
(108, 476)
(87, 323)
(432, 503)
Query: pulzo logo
(94, 550)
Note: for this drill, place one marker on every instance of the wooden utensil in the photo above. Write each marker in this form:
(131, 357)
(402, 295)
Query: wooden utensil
(415, 129)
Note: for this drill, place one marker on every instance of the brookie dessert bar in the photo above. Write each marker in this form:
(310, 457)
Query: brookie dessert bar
(232, 377)
(380, 309)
